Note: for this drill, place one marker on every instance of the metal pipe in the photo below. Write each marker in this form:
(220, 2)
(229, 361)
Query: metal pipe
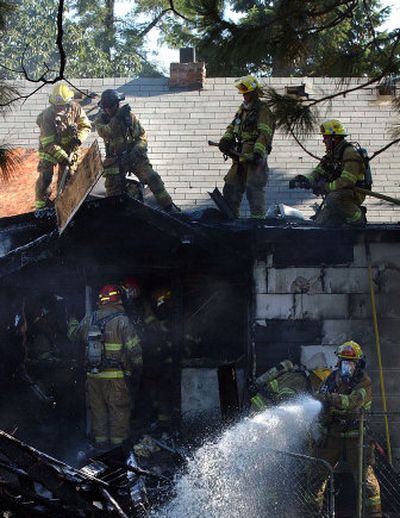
(88, 299)
(309, 458)
(379, 357)
(331, 495)
(360, 492)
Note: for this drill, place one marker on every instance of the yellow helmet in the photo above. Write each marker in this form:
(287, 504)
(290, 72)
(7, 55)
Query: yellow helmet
(61, 94)
(333, 127)
(247, 84)
(350, 351)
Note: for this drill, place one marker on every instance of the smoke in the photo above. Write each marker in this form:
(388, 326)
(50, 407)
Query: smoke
(240, 474)
(5, 246)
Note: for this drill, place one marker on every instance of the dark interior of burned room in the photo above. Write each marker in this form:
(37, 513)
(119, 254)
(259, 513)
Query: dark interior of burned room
(43, 372)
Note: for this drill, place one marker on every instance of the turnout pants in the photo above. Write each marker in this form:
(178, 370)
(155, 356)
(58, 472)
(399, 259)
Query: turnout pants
(42, 188)
(110, 409)
(250, 179)
(45, 171)
(342, 206)
(332, 450)
(116, 182)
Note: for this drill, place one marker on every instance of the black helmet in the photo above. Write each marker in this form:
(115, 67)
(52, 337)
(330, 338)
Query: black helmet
(109, 98)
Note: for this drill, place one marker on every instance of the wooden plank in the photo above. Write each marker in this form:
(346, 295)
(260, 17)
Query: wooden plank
(82, 182)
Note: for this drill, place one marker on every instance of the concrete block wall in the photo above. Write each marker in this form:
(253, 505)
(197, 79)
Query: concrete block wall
(332, 303)
(180, 122)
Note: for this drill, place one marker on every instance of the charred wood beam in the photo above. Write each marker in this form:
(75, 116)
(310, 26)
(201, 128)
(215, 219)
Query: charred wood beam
(115, 504)
(71, 486)
(173, 226)
(37, 467)
(41, 248)
(140, 471)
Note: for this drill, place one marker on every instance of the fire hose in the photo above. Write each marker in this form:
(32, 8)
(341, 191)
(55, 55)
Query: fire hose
(379, 357)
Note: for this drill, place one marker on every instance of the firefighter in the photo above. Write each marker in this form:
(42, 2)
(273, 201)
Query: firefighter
(133, 303)
(345, 393)
(160, 356)
(114, 364)
(126, 150)
(63, 127)
(285, 381)
(249, 134)
(340, 169)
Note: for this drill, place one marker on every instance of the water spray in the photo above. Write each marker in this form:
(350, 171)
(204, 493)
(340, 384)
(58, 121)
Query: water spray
(242, 473)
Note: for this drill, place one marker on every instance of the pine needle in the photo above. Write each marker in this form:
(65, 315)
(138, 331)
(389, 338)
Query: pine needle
(10, 161)
(395, 129)
(7, 95)
(291, 114)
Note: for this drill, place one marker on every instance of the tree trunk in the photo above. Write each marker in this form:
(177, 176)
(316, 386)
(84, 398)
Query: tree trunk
(109, 27)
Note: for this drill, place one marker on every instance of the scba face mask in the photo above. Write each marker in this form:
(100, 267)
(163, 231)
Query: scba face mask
(347, 369)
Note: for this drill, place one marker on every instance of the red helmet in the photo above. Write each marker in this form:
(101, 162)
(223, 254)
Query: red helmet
(109, 293)
(131, 286)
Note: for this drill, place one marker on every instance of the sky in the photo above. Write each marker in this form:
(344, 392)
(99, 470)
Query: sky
(394, 20)
(164, 55)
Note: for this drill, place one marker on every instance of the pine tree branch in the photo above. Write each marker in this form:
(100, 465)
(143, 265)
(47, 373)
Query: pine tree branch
(302, 146)
(371, 81)
(371, 29)
(42, 79)
(180, 15)
(153, 23)
(59, 40)
(10, 161)
(352, 4)
(396, 141)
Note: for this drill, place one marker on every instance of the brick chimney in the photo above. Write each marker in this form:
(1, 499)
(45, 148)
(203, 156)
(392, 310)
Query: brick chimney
(187, 73)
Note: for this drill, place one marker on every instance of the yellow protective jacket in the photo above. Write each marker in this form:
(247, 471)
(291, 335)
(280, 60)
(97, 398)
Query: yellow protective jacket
(122, 345)
(57, 131)
(344, 402)
(351, 169)
(118, 137)
(252, 128)
(285, 386)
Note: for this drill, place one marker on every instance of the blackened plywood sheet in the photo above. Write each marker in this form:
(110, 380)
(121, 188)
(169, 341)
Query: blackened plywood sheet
(74, 194)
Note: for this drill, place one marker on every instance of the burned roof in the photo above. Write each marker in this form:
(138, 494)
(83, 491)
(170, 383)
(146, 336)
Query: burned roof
(110, 228)
(124, 229)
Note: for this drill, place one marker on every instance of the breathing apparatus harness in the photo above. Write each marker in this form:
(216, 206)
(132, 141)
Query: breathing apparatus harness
(333, 165)
(96, 358)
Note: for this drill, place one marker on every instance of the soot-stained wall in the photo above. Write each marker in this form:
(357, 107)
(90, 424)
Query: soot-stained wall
(309, 302)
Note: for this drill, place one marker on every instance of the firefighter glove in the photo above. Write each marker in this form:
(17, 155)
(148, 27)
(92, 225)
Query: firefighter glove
(73, 158)
(256, 158)
(105, 119)
(124, 115)
(66, 162)
(225, 145)
(299, 182)
(253, 389)
(324, 399)
(320, 187)
(75, 142)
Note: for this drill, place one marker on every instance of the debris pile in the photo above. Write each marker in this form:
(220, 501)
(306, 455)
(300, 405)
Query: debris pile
(35, 484)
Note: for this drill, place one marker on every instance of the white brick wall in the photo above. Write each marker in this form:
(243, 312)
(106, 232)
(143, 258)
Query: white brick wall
(179, 123)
